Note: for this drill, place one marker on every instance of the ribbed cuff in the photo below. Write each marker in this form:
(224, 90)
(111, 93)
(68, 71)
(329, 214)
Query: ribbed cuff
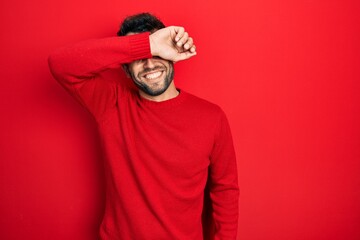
(140, 46)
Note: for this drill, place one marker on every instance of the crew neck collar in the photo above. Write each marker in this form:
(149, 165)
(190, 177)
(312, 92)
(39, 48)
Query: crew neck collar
(170, 102)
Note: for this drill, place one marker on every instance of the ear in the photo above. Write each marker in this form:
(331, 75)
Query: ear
(125, 67)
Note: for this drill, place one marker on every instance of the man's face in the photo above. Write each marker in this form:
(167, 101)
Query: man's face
(152, 76)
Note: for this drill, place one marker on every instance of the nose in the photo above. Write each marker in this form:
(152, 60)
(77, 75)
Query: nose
(149, 63)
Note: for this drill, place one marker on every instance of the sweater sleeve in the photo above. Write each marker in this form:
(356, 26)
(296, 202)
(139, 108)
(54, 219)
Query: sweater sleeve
(224, 190)
(78, 68)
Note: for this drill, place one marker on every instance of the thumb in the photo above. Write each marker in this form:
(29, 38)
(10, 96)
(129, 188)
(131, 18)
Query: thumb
(184, 55)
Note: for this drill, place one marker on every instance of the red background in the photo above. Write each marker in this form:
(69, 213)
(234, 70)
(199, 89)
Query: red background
(285, 72)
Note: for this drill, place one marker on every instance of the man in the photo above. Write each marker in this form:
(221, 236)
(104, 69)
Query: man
(162, 144)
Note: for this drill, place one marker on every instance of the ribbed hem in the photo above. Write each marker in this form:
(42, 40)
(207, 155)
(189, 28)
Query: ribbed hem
(140, 46)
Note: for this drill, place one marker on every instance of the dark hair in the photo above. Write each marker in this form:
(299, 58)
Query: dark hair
(142, 22)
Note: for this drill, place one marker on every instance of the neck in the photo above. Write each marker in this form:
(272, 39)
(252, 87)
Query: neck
(170, 93)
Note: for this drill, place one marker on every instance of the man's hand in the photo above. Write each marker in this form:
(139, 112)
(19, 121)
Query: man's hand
(172, 43)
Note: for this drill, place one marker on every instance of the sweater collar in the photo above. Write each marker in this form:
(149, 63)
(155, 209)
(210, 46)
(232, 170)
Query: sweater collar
(167, 103)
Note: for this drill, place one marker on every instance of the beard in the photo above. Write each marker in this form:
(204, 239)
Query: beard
(154, 89)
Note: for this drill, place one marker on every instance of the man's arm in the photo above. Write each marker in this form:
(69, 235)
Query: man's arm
(224, 190)
(77, 68)
(86, 59)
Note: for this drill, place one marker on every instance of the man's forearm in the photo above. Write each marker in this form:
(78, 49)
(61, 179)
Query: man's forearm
(86, 59)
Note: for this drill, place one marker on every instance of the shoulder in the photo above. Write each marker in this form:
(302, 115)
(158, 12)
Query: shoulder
(201, 105)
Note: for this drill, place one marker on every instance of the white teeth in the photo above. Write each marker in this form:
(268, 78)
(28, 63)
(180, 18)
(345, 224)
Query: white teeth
(152, 75)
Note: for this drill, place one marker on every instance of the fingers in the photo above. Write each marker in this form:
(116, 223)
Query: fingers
(188, 44)
(182, 38)
(179, 33)
(183, 41)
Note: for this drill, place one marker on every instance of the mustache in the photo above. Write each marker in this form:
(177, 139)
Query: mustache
(147, 70)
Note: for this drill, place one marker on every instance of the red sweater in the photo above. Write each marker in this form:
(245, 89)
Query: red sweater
(159, 155)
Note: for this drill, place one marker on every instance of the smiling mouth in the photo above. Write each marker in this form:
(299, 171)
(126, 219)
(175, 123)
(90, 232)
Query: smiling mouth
(153, 75)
